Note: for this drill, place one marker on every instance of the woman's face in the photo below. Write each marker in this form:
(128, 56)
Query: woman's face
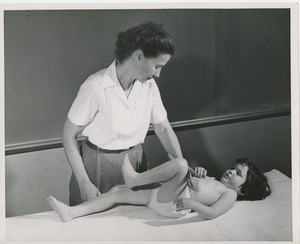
(235, 177)
(151, 67)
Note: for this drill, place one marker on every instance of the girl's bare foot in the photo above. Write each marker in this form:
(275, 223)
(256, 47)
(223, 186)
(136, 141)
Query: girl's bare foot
(130, 175)
(61, 209)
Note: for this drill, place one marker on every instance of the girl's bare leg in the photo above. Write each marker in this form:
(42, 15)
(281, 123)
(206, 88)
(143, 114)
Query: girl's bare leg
(118, 194)
(172, 173)
(163, 172)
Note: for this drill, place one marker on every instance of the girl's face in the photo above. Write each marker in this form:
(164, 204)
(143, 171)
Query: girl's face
(149, 68)
(235, 177)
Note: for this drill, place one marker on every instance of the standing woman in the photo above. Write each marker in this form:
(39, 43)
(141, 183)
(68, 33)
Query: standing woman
(114, 108)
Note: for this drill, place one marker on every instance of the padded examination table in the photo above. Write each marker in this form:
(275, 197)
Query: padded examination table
(266, 220)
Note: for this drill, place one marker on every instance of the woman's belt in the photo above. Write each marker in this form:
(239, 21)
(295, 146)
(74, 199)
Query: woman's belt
(93, 146)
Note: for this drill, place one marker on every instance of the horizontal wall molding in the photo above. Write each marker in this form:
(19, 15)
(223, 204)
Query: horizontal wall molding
(177, 126)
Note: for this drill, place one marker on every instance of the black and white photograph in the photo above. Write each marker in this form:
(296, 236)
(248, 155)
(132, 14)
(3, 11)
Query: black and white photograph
(150, 123)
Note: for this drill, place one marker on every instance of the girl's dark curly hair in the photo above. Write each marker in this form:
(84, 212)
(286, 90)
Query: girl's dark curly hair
(256, 186)
(148, 37)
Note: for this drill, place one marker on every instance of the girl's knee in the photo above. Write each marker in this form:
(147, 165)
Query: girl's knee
(182, 165)
(117, 189)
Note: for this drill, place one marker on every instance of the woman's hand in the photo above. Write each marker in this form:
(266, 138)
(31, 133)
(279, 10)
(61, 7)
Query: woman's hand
(182, 203)
(201, 172)
(88, 191)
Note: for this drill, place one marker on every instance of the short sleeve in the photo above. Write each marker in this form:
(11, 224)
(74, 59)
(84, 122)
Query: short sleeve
(159, 113)
(85, 105)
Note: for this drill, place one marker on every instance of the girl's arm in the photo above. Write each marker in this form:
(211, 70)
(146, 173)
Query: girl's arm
(221, 206)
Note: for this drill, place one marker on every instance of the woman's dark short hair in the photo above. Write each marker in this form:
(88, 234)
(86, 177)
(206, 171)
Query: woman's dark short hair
(256, 186)
(149, 37)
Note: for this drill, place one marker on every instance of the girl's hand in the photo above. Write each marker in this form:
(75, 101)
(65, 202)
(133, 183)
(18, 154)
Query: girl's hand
(201, 172)
(182, 203)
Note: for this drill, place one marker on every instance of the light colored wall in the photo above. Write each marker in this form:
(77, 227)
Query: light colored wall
(32, 177)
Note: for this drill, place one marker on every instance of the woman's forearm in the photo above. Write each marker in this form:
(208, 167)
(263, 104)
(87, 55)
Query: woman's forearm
(75, 160)
(171, 144)
(168, 139)
(72, 150)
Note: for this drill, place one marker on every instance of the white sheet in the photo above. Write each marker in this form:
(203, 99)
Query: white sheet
(267, 220)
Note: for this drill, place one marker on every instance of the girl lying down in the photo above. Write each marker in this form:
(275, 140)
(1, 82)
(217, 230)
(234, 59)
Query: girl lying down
(173, 189)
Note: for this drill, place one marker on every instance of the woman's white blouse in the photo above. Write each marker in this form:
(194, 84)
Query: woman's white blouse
(113, 120)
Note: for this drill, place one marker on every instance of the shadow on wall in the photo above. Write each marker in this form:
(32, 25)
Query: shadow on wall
(266, 142)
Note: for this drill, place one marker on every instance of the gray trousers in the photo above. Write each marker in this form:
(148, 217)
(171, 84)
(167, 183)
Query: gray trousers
(104, 169)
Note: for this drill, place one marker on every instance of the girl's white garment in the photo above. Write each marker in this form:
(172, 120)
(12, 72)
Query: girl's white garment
(167, 209)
